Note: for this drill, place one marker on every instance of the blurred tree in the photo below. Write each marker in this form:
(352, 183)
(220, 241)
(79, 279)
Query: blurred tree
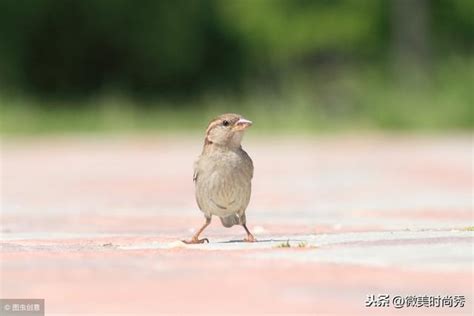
(411, 36)
(76, 47)
(279, 31)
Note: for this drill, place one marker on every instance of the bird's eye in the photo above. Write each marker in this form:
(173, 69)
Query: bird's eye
(225, 123)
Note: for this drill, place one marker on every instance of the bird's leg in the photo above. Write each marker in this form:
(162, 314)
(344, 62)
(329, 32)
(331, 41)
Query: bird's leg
(195, 239)
(249, 237)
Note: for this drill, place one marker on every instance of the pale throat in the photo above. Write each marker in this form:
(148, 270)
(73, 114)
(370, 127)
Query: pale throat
(234, 142)
(236, 139)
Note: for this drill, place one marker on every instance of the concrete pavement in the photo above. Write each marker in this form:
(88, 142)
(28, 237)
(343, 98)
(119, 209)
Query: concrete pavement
(93, 225)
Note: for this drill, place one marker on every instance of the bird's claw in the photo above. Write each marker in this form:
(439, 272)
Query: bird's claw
(196, 241)
(250, 238)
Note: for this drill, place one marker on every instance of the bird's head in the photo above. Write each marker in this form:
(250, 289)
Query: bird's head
(226, 130)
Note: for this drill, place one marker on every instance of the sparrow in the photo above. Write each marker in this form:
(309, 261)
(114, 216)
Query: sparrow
(223, 174)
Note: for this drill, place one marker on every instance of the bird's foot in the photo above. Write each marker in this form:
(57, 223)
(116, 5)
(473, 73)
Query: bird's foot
(250, 238)
(196, 240)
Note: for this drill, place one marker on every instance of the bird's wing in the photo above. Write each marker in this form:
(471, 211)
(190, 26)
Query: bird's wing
(249, 160)
(195, 173)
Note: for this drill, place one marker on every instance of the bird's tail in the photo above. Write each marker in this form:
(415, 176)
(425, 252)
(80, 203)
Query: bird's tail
(235, 219)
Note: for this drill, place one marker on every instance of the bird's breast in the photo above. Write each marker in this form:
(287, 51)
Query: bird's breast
(223, 185)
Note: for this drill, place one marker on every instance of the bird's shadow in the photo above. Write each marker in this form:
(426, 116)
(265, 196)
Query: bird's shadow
(258, 241)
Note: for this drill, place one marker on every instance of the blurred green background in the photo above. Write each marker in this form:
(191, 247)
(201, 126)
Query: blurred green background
(299, 65)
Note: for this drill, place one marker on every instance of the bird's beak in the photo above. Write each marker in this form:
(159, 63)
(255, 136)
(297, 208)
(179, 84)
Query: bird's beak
(242, 124)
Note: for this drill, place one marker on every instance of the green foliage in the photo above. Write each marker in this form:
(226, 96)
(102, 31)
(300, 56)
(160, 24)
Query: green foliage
(302, 244)
(285, 30)
(74, 47)
(81, 48)
(362, 98)
(285, 244)
(299, 64)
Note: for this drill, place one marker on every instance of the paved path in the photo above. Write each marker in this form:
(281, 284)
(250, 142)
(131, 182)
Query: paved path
(93, 225)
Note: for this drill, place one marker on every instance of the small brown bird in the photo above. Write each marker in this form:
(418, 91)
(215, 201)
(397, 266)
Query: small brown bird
(223, 174)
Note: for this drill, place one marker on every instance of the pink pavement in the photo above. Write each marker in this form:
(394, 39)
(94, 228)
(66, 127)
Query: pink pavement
(93, 225)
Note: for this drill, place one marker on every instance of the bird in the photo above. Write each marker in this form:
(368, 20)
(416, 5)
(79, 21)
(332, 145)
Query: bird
(223, 175)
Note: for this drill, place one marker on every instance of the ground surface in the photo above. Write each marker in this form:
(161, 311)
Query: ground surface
(93, 226)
